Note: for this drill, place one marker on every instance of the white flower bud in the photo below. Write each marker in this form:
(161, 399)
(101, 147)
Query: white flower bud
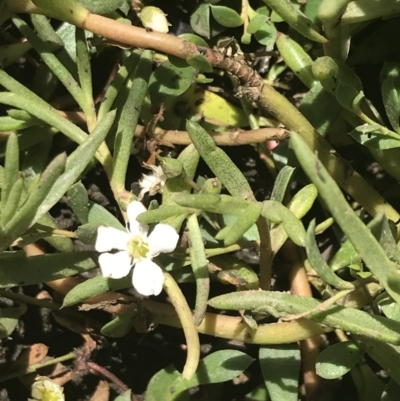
(154, 18)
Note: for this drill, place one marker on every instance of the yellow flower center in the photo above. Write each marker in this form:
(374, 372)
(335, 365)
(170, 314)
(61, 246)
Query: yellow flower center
(138, 248)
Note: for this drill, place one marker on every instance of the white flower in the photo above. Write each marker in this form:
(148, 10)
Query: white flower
(136, 248)
(152, 183)
(44, 389)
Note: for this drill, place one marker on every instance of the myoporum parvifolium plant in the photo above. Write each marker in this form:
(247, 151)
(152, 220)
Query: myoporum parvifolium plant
(196, 193)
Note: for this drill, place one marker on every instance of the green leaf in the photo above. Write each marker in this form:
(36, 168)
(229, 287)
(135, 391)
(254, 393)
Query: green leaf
(277, 213)
(14, 199)
(236, 272)
(267, 35)
(101, 6)
(101, 216)
(161, 386)
(221, 204)
(280, 367)
(77, 162)
(129, 119)
(11, 168)
(391, 392)
(382, 231)
(194, 39)
(371, 136)
(260, 393)
(120, 326)
(27, 214)
(199, 62)
(220, 366)
(18, 269)
(360, 236)
(281, 183)
(296, 19)
(162, 213)
(219, 162)
(200, 268)
(235, 230)
(124, 397)
(338, 359)
(226, 16)
(319, 265)
(391, 101)
(79, 201)
(256, 23)
(95, 286)
(169, 81)
(386, 355)
(9, 319)
(281, 304)
(200, 21)
(320, 108)
(345, 95)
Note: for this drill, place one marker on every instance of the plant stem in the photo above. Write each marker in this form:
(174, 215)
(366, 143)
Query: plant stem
(185, 318)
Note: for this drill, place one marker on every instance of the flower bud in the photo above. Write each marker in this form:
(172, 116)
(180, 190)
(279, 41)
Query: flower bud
(154, 18)
(211, 186)
(172, 167)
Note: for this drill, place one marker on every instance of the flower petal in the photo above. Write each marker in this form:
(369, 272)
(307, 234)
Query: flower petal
(133, 210)
(162, 239)
(109, 238)
(147, 278)
(115, 265)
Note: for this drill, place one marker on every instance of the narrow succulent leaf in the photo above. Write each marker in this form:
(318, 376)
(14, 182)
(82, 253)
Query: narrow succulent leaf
(46, 53)
(300, 204)
(380, 228)
(43, 111)
(359, 235)
(77, 162)
(213, 203)
(121, 325)
(130, 117)
(79, 201)
(296, 19)
(319, 265)
(26, 215)
(277, 213)
(200, 268)
(231, 270)
(93, 287)
(234, 231)
(281, 304)
(129, 65)
(18, 269)
(84, 70)
(11, 206)
(281, 183)
(297, 59)
(163, 213)
(219, 162)
(11, 168)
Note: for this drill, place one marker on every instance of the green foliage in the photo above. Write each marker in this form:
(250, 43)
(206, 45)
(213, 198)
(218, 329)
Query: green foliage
(64, 119)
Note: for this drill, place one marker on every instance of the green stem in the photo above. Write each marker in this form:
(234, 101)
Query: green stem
(43, 303)
(36, 366)
(186, 321)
